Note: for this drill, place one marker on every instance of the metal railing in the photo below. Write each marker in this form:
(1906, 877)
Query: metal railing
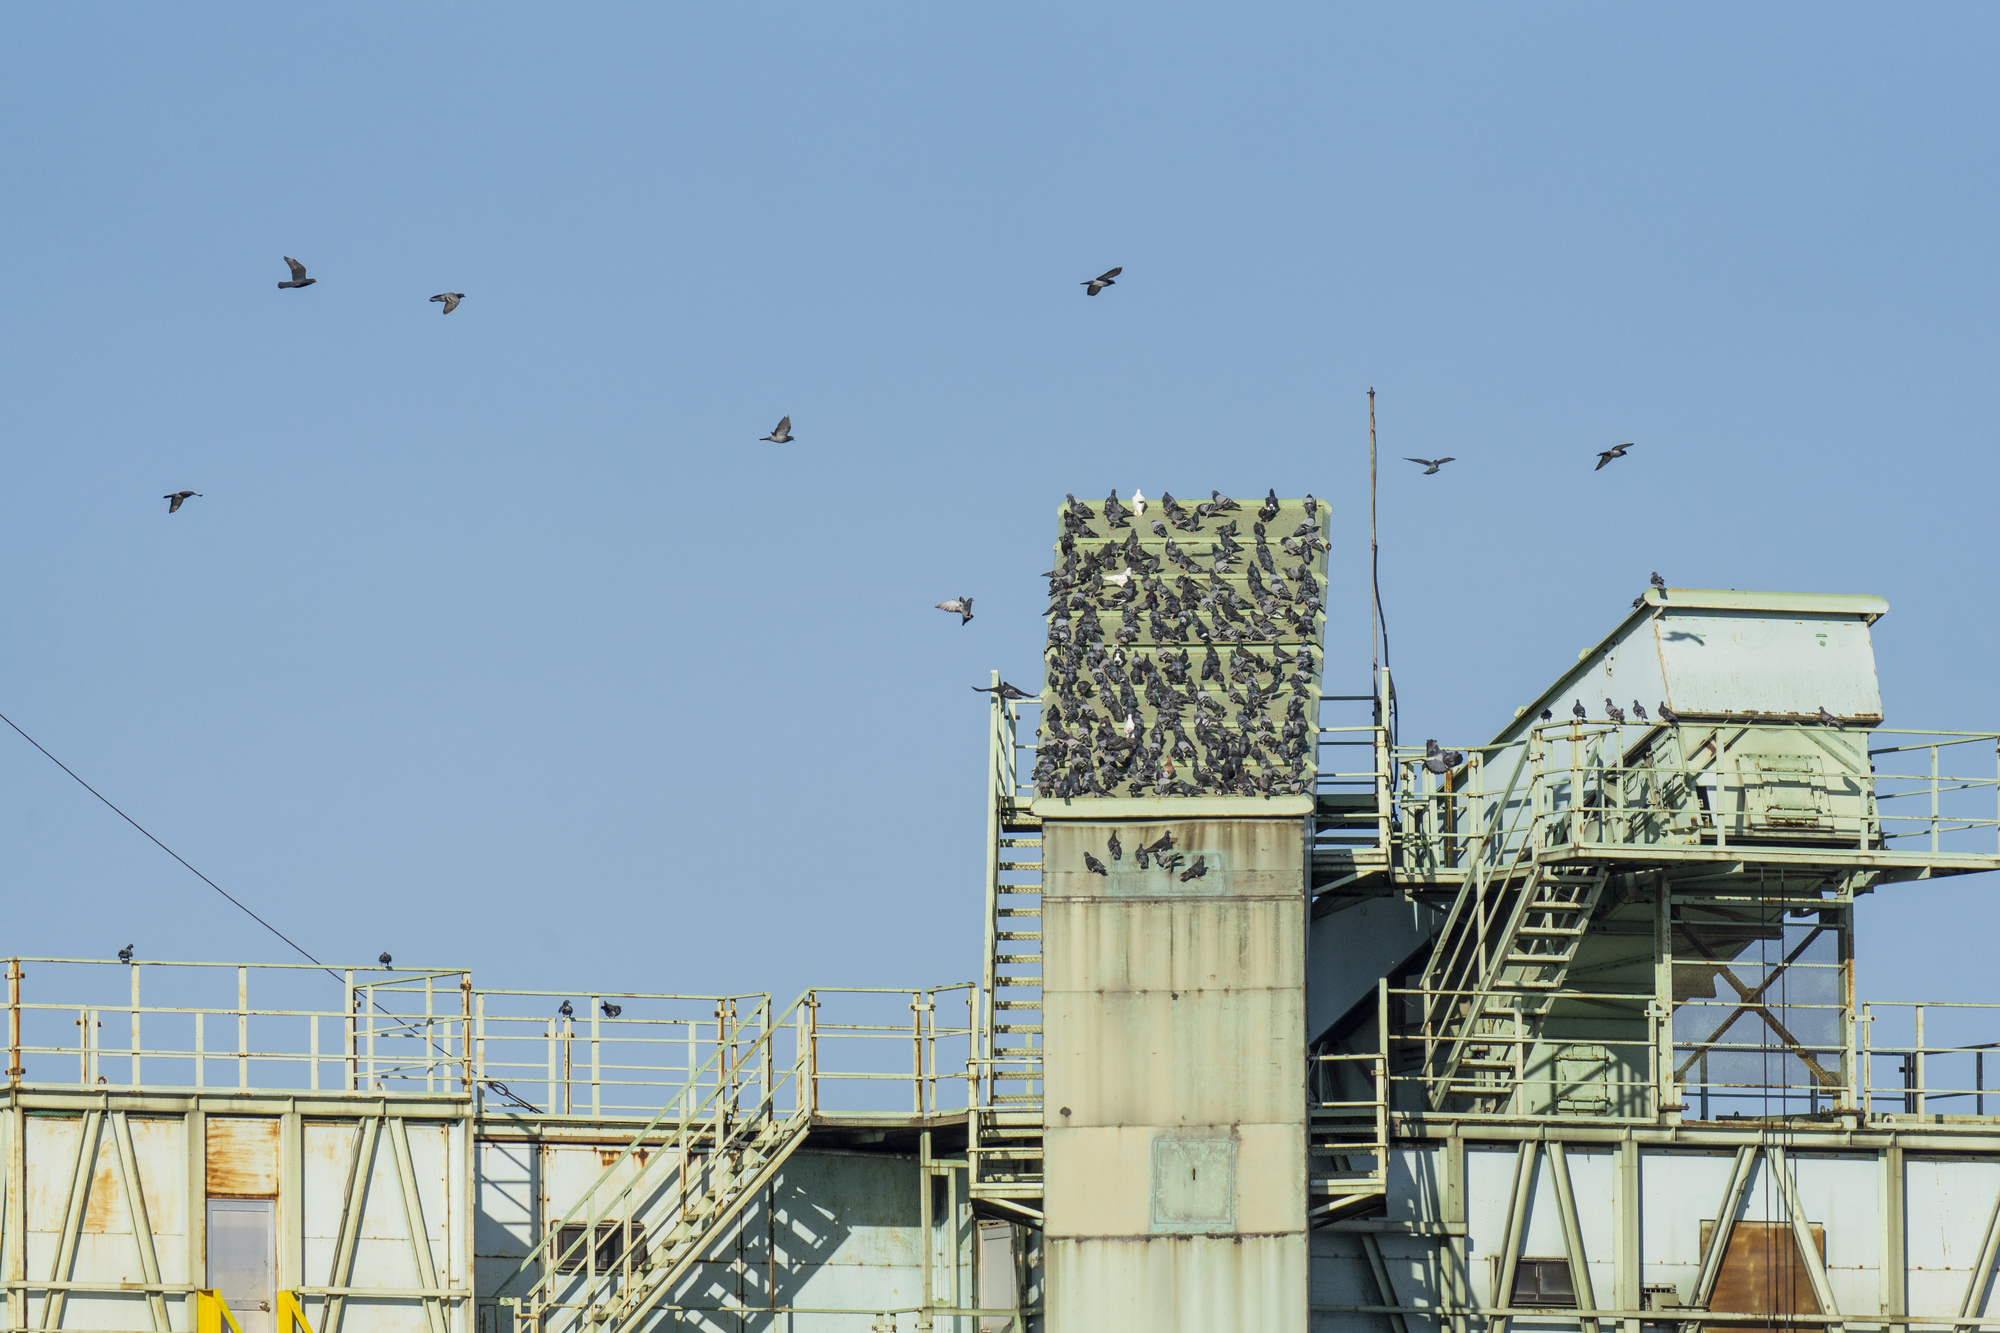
(1921, 1075)
(95, 1023)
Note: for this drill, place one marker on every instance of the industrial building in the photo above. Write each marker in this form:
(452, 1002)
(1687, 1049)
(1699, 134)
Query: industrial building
(1284, 1022)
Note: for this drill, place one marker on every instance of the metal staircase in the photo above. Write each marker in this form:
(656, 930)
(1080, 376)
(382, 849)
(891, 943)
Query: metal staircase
(1005, 1136)
(648, 1218)
(1505, 947)
(1347, 1149)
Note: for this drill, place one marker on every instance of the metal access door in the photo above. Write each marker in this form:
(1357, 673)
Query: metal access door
(243, 1258)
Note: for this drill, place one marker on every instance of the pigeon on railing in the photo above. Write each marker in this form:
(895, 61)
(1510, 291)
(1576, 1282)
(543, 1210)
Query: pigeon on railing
(610, 1010)
(125, 954)
(1667, 714)
(1577, 710)
(1614, 712)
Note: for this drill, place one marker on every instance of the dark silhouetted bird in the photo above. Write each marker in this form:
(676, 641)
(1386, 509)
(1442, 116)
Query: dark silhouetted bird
(566, 1010)
(1667, 714)
(781, 433)
(1605, 456)
(1547, 715)
(1638, 601)
(1003, 689)
(1657, 581)
(610, 1010)
(1098, 284)
(1117, 850)
(1430, 464)
(450, 299)
(1164, 845)
(1577, 710)
(1195, 871)
(1441, 761)
(178, 498)
(1269, 509)
(125, 954)
(1094, 866)
(960, 607)
(299, 278)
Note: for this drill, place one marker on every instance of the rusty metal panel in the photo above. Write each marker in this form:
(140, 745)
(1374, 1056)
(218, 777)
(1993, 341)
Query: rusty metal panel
(242, 1159)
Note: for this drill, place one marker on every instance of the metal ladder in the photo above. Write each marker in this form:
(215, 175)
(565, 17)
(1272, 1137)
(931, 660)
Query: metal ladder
(1347, 1128)
(1507, 945)
(1005, 1148)
(698, 1164)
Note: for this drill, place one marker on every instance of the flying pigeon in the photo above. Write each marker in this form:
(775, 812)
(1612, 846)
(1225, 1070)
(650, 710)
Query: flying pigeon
(125, 954)
(178, 498)
(1667, 714)
(1095, 285)
(1605, 456)
(1430, 464)
(299, 278)
(383, 958)
(1003, 689)
(958, 606)
(781, 433)
(450, 299)
(1095, 866)
(566, 1010)
(610, 1010)
(1577, 710)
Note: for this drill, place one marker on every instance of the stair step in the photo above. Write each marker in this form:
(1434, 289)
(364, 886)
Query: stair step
(1017, 958)
(1017, 911)
(1018, 981)
(1018, 888)
(1018, 934)
(1020, 842)
(1017, 1027)
(1017, 1004)
(1016, 1099)
(1020, 865)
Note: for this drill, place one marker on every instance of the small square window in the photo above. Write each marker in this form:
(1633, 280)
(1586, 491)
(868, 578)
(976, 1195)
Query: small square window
(612, 1242)
(1544, 1284)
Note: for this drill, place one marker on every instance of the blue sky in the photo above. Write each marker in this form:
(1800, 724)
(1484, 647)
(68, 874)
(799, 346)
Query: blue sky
(499, 640)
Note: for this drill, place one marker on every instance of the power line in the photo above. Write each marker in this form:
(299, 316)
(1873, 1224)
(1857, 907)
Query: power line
(163, 847)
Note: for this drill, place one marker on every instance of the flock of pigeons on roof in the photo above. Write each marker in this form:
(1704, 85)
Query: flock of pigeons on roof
(1118, 720)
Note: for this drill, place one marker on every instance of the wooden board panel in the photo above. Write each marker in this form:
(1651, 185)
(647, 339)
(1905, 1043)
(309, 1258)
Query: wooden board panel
(1763, 1273)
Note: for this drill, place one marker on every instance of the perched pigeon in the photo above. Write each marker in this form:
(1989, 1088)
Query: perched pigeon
(1441, 761)
(1547, 715)
(1639, 711)
(1094, 866)
(1667, 714)
(299, 278)
(1222, 502)
(1828, 718)
(566, 1010)
(1096, 285)
(125, 954)
(1164, 845)
(383, 958)
(1577, 710)
(1269, 509)
(1638, 601)
(1657, 581)
(1312, 507)
(450, 299)
(610, 1010)
(1605, 456)
(782, 433)
(958, 606)
(1003, 689)
(1117, 850)
(1195, 871)
(1430, 464)
(178, 498)
(1138, 501)
(1613, 711)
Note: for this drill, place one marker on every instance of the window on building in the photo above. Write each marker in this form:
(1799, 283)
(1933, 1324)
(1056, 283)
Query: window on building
(612, 1242)
(1544, 1283)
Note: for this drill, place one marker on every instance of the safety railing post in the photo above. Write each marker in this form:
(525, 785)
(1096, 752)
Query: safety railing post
(1917, 1059)
(812, 1049)
(348, 1052)
(136, 1047)
(14, 977)
(1934, 799)
(242, 1027)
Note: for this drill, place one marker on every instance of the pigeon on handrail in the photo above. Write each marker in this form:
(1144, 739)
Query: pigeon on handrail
(1828, 718)
(610, 1010)
(1639, 711)
(1577, 710)
(1547, 715)
(1614, 712)
(125, 954)
(566, 1009)
(960, 607)
(1441, 761)
(383, 958)
(1667, 714)
(1003, 689)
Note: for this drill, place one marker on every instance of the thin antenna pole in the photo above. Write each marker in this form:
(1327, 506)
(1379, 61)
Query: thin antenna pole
(1374, 559)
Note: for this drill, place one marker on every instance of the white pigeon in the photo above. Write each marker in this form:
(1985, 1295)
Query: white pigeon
(1131, 724)
(1138, 501)
(1121, 578)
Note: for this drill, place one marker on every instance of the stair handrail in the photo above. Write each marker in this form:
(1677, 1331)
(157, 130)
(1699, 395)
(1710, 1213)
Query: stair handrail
(727, 1088)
